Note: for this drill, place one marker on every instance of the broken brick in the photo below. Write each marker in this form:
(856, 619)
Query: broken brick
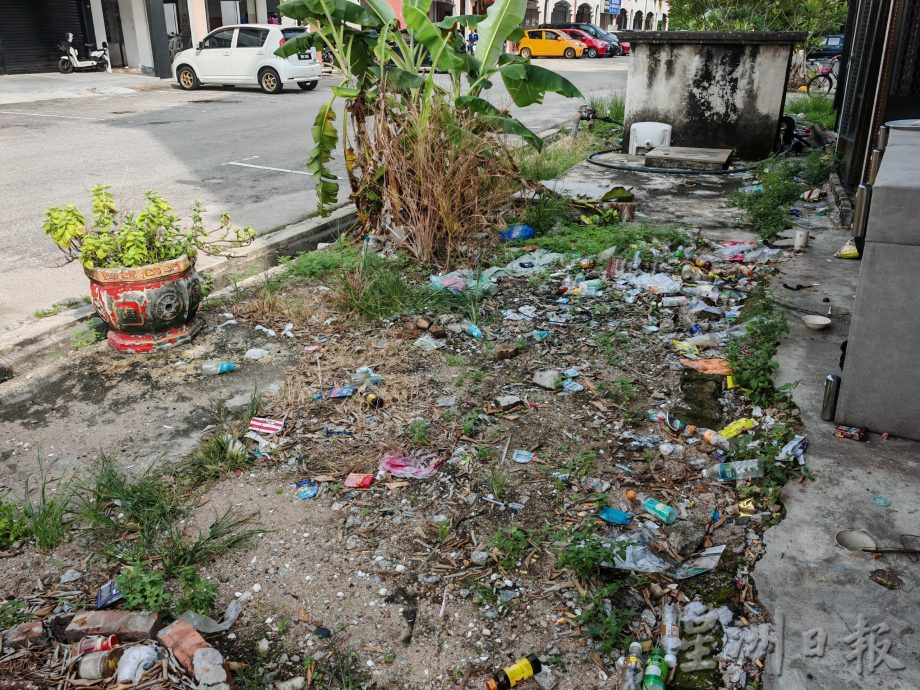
(183, 641)
(129, 626)
(29, 634)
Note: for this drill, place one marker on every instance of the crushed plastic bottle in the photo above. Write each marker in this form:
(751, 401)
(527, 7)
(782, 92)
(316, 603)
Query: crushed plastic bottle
(732, 471)
(472, 329)
(713, 438)
(630, 667)
(669, 639)
(213, 367)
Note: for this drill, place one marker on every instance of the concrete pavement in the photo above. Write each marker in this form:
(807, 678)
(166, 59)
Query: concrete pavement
(815, 589)
(235, 150)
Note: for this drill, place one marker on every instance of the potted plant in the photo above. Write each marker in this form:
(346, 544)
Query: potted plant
(141, 267)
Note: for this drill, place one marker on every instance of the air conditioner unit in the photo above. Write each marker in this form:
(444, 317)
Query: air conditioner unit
(648, 135)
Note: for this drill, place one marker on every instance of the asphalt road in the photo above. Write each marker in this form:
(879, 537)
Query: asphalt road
(236, 150)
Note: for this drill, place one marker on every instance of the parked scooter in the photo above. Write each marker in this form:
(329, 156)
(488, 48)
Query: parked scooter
(70, 60)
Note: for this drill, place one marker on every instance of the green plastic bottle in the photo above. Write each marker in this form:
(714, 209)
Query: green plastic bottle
(655, 669)
(660, 510)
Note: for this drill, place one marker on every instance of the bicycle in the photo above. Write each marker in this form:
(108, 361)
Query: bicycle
(819, 79)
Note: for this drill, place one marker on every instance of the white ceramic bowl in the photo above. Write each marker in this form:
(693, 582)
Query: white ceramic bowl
(815, 322)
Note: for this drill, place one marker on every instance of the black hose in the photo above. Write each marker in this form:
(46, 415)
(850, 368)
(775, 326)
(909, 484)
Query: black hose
(666, 171)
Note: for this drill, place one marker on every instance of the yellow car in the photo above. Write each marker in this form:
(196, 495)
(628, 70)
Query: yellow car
(548, 43)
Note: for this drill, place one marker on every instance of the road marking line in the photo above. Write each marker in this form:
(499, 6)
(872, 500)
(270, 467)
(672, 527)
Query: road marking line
(265, 167)
(66, 117)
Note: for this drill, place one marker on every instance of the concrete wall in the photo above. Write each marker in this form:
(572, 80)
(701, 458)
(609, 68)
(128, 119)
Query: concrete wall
(715, 89)
(880, 386)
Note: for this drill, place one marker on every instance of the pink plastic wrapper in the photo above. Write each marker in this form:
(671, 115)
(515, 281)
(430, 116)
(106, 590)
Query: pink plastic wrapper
(400, 465)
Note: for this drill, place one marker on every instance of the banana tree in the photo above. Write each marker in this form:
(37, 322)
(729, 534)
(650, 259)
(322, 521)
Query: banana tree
(380, 66)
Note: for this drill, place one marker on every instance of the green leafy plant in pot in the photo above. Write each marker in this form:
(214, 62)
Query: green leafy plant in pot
(141, 267)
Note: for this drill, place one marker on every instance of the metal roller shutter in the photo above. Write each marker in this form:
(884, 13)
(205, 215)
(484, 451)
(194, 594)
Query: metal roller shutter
(30, 31)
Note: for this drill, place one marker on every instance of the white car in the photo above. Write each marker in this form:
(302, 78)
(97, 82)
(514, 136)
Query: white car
(245, 54)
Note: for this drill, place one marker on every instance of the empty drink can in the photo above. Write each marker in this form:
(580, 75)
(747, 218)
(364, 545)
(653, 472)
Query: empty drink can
(831, 389)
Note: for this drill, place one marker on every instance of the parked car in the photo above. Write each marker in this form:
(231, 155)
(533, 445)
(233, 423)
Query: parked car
(592, 30)
(593, 47)
(626, 47)
(831, 46)
(546, 43)
(245, 54)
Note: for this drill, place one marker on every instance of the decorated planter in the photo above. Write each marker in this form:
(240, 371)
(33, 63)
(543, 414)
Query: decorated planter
(150, 307)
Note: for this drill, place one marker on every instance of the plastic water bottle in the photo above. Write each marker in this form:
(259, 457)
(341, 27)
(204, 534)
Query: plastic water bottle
(654, 671)
(732, 471)
(631, 668)
(472, 329)
(713, 438)
(637, 260)
(213, 367)
(660, 510)
(536, 337)
(669, 638)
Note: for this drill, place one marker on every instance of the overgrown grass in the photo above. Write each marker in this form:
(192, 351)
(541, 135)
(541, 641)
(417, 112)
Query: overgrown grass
(381, 290)
(817, 109)
(340, 256)
(612, 105)
(544, 213)
(46, 516)
(12, 527)
(589, 240)
(136, 520)
(769, 209)
(554, 159)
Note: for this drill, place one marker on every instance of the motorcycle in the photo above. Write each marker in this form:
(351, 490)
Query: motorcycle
(70, 61)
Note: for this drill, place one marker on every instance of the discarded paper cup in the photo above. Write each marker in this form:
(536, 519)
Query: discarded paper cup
(801, 239)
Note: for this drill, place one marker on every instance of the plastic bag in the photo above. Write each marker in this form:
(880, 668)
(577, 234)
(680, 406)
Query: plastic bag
(400, 465)
(135, 661)
(516, 232)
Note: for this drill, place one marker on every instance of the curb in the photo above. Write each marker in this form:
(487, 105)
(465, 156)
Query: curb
(36, 344)
(844, 205)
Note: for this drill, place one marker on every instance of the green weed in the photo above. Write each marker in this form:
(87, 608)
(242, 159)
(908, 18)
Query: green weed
(58, 307)
(751, 357)
(12, 527)
(544, 213)
(621, 390)
(553, 160)
(196, 593)
(454, 360)
(469, 422)
(339, 257)
(14, 612)
(769, 210)
(214, 457)
(511, 544)
(47, 517)
(381, 291)
(586, 551)
(419, 429)
(143, 590)
(582, 465)
(816, 109)
(602, 619)
(498, 482)
(590, 240)
(612, 105)
(88, 335)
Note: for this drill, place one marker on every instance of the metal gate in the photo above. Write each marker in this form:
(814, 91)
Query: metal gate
(30, 31)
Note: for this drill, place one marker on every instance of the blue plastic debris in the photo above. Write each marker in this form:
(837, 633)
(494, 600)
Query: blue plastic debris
(306, 489)
(615, 517)
(517, 232)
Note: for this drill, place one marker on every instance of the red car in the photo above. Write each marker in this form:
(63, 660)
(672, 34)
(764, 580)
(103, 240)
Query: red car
(593, 47)
(626, 47)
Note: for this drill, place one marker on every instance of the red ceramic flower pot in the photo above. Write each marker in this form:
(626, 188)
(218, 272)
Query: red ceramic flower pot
(149, 307)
